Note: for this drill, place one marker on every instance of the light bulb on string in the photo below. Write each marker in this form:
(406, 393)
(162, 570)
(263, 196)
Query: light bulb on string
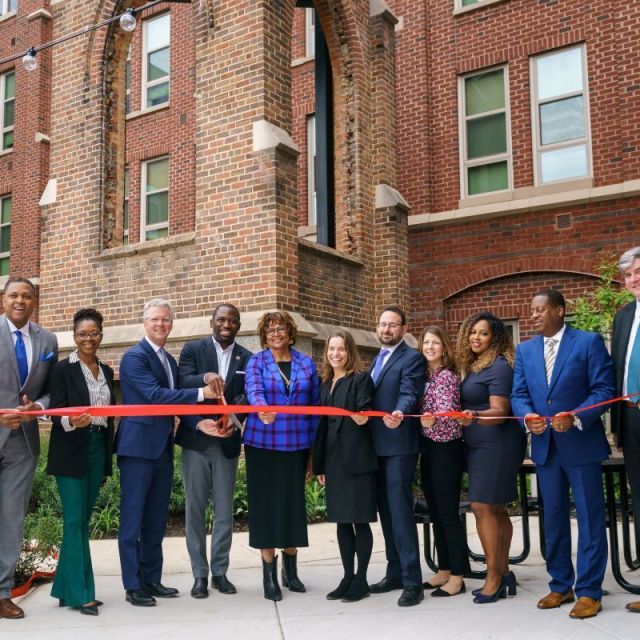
(29, 61)
(128, 20)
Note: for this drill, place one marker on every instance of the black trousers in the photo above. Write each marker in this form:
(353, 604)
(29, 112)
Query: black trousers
(631, 450)
(441, 467)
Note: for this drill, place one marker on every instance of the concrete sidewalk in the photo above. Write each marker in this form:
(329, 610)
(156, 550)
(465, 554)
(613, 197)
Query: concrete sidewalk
(310, 616)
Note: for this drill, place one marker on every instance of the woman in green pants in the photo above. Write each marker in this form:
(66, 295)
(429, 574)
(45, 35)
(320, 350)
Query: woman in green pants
(80, 453)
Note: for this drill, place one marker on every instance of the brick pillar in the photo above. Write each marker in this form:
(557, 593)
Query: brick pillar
(245, 160)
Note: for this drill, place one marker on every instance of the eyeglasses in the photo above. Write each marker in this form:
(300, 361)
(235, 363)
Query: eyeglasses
(388, 325)
(158, 320)
(280, 330)
(83, 336)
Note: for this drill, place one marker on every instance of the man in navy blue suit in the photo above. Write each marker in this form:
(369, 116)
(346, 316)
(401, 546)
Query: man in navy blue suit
(144, 444)
(398, 372)
(556, 374)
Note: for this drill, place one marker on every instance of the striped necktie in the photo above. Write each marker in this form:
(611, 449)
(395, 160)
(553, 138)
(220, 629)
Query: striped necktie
(549, 356)
(165, 363)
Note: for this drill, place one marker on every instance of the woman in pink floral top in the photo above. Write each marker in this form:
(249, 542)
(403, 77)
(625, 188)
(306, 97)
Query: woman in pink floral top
(442, 463)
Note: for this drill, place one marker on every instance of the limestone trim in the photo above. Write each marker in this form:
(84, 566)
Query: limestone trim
(161, 244)
(39, 13)
(329, 251)
(267, 136)
(387, 198)
(381, 8)
(627, 189)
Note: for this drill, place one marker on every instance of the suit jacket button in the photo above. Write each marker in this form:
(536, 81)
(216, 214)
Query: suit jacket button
(548, 401)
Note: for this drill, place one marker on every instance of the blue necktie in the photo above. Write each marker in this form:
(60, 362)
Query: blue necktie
(165, 363)
(633, 372)
(378, 366)
(21, 357)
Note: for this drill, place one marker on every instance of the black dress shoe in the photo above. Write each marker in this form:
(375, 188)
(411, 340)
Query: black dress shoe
(441, 593)
(200, 589)
(385, 585)
(160, 591)
(411, 596)
(357, 590)
(222, 584)
(88, 609)
(140, 598)
(340, 590)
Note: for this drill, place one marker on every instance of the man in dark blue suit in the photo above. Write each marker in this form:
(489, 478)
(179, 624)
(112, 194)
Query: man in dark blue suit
(144, 444)
(556, 374)
(398, 372)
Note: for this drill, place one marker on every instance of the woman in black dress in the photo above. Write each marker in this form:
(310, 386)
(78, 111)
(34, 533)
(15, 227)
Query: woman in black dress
(345, 462)
(495, 448)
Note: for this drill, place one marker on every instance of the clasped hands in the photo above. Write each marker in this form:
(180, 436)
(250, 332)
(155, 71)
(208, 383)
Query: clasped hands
(561, 422)
(14, 420)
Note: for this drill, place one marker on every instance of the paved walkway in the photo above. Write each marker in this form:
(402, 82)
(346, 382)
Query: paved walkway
(248, 616)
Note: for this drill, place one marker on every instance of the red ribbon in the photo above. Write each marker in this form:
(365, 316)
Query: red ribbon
(126, 410)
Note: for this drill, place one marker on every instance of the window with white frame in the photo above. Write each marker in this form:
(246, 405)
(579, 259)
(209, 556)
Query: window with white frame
(155, 201)
(311, 170)
(7, 109)
(485, 132)
(127, 83)
(5, 234)
(560, 104)
(156, 61)
(125, 208)
(310, 33)
(513, 329)
(8, 6)
(463, 4)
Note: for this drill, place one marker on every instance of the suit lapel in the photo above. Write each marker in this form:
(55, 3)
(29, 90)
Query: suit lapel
(566, 347)
(211, 355)
(274, 370)
(154, 362)
(622, 339)
(233, 366)
(7, 346)
(36, 347)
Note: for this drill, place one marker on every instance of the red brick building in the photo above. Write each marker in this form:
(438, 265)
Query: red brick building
(463, 154)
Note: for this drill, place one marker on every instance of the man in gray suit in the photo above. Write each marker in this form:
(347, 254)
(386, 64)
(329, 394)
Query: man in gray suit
(28, 351)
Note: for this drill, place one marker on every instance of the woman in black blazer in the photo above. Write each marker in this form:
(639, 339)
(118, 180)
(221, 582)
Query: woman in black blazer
(80, 452)
(345, 462)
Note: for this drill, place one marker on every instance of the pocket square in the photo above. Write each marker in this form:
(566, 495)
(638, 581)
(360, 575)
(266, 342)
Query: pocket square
(44, 357)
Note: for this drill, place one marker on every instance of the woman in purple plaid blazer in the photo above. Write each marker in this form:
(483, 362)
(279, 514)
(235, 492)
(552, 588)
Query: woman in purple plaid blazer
(277, 449)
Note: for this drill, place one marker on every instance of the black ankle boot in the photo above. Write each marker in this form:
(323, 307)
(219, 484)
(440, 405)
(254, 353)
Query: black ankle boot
(290, 573)
(357, 590)
(270, 580)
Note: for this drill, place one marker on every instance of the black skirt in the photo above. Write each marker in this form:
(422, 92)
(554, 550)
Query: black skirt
(275, 492)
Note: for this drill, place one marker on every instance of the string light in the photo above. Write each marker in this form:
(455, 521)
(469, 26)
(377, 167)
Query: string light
(127, 22)
(29, 61)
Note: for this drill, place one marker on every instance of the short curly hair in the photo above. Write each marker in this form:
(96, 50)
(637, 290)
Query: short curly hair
(501, 344)
(277, 318)
(87, 314)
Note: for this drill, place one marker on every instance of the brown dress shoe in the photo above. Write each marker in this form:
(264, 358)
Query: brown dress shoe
(585, 608)
(555, 599)
(10, 610)
(633, 606)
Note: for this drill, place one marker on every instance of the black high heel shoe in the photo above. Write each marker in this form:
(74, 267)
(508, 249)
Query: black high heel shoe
(509, 580)
(500, 593)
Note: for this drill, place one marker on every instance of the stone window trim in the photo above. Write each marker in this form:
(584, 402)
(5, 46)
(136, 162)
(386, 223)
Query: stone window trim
(8, 9)
(458, 7)
(150, 84)
(538, 147)
(126, 221)
(159, 245)
(145, 194)
(330, 251)
(506, 156)
(4, 102)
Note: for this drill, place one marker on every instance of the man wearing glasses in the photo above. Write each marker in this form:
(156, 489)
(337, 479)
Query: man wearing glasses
(398, 372)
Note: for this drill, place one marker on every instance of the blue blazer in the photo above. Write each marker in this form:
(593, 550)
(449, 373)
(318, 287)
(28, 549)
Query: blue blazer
(399, 386)
(582, 375)
(143, 380)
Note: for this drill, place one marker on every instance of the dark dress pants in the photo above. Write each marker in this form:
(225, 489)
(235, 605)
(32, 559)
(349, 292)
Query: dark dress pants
(631, 451)
(395, 505)
(145, 489)
(441, 467)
